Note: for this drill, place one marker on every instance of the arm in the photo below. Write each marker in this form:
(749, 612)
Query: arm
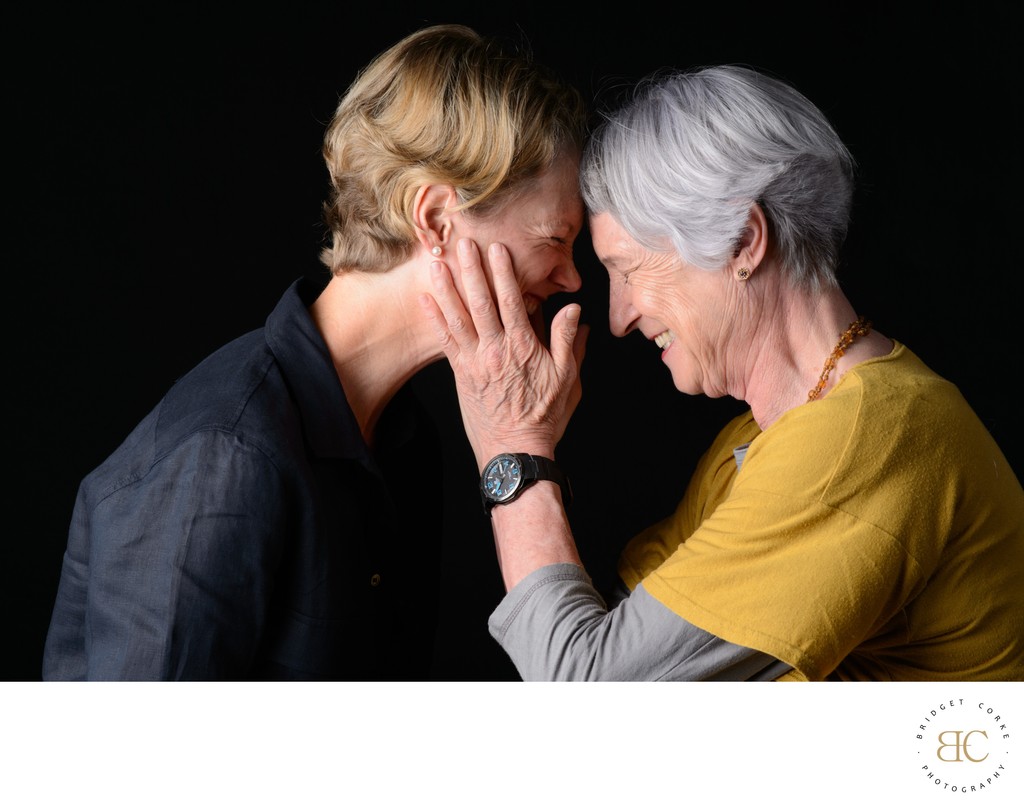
(168, 575)
(556, 627)
(516, 395)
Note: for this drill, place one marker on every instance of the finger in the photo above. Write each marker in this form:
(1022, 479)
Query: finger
(564, 329)
(579, 345)
(479, 300)
(433, 313)
(457, 323)
(511, 307)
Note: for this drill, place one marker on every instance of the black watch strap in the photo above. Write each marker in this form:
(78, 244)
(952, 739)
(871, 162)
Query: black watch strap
(532, 469)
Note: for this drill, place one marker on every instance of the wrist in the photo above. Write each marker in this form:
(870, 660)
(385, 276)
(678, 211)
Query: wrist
(494, 444)
(483, 458)
(506, 475)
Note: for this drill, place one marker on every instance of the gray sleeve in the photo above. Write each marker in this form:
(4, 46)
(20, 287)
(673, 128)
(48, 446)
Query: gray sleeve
(556, 627)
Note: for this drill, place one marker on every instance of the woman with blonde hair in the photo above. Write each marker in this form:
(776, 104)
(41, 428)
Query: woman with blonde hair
(270, 517)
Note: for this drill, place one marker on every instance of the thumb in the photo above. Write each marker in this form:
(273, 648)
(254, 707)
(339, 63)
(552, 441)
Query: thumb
(579, 345)
(564, 328)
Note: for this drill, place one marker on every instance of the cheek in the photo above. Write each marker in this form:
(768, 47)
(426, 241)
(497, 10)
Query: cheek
(530, 269)
(660, 298)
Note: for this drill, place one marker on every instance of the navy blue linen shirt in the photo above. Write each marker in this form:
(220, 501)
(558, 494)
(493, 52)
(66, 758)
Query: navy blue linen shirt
(244, 530)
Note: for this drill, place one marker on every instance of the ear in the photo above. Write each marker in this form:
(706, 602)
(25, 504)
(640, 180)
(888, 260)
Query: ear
(753, 244)
(431, 214)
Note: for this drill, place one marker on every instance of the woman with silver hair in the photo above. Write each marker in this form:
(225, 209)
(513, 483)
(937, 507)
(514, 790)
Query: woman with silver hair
(857, 522)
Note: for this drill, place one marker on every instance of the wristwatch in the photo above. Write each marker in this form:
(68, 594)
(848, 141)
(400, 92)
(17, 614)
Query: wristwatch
(507, 475)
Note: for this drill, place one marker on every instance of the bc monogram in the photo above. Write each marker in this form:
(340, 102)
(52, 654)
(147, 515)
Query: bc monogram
(966, 742)
(962, 743)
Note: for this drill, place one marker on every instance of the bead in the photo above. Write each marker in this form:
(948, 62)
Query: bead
(860, 327)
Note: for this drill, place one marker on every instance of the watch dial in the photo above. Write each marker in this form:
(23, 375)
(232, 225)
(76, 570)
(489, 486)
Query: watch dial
(502, 478)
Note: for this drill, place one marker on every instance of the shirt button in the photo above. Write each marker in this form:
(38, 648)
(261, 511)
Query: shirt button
(375, 580)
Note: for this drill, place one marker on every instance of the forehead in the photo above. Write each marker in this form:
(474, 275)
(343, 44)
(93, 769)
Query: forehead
(554, 196)
(612, 244)
(547, 205)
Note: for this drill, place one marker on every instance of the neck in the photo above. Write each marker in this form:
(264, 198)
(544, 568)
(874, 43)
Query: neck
(377, 336)
(797, 335)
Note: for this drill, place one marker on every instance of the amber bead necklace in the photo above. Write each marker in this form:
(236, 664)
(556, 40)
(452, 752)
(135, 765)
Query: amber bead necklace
(860, 327)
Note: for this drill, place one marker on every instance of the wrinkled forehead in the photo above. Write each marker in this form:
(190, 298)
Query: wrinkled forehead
(612, 244)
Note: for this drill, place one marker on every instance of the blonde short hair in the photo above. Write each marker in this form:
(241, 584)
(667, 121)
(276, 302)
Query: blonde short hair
(444, 105)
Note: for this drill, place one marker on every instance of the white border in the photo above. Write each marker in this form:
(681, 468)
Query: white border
(482, 744)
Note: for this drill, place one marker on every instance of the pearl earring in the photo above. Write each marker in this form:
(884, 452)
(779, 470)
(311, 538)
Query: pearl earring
(436, 251)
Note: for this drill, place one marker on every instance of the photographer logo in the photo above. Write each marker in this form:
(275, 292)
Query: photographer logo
(963, 746)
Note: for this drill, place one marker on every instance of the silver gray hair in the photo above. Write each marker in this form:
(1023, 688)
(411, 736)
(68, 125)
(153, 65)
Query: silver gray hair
(680, 165)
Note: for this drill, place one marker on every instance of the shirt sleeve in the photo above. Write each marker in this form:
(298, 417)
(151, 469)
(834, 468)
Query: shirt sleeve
(555, 626)
(169, 575)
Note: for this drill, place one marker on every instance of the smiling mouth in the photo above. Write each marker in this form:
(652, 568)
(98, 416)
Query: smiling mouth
(664, 339)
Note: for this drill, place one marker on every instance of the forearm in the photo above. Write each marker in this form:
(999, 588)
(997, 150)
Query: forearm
(532, 532)
(556, 627)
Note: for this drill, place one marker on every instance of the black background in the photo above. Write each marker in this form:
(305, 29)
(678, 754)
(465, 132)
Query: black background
(168, 184)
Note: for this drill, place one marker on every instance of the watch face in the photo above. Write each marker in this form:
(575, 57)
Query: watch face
(502, 477)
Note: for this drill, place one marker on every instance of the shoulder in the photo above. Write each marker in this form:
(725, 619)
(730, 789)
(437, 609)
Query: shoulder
(238, 390)
(884, 429)
(218, 390)
(896, 401)
(234, 401)
(884, 397)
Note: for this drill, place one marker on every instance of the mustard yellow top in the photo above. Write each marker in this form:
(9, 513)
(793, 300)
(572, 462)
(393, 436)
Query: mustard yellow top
(875, 534)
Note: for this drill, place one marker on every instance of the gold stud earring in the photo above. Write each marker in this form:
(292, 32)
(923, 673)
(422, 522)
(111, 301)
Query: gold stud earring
(436, 252)
(743, 273)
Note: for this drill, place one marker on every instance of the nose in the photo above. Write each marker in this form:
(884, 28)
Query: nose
(566, 277)
(622, 317)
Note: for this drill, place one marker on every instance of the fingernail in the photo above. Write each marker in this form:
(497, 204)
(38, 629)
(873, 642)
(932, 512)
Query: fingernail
(572, 313)
(465, 248)
(436, 268)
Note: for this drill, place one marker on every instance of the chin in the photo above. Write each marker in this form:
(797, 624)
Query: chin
(690, 384)
(687, 386)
